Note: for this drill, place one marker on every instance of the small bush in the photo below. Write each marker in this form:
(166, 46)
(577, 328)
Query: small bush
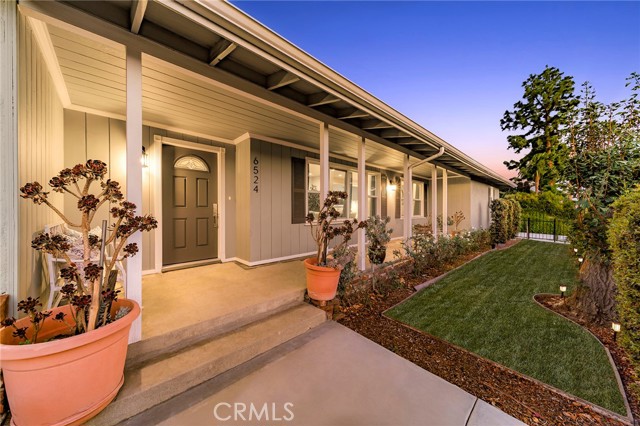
(547, 202)
(624, 240)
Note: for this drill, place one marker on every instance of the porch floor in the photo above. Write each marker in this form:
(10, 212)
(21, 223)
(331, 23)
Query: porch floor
(177, 299)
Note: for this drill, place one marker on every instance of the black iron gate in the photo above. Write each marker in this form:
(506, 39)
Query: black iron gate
(542, 227)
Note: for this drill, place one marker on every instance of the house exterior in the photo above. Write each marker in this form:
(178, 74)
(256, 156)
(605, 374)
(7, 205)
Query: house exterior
(243, 134)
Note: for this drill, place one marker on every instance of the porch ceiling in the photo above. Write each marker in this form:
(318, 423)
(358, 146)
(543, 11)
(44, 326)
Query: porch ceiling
(95, 78)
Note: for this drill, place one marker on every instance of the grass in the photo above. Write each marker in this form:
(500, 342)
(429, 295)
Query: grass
(487, 307)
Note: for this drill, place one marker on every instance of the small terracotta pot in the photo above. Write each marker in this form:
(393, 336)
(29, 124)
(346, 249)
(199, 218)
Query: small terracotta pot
(322, 282)
(66, 381)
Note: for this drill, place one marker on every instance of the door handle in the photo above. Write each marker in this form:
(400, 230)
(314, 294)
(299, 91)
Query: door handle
(215, 215)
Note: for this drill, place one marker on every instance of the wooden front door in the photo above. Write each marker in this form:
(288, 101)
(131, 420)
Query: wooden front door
(189, 205)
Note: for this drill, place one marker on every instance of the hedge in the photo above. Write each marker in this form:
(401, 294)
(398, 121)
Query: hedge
(624, 240)
(505, 220)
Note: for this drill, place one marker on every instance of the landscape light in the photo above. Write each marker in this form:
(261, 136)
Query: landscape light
(575, 250)
(580, 259)
(616, 328)
(563, 288)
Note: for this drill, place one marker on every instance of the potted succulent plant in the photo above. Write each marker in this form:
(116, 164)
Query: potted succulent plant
(79, 348)
(378, 235)
(323, 272)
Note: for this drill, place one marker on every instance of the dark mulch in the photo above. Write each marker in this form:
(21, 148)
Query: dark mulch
(629, 378)
(512, 393)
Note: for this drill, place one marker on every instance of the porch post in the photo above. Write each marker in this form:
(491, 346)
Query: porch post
(362, 203)
(324, 162)
(133, 286)
(434, 201)
(408, 198)
(9, 153)
(445, 211)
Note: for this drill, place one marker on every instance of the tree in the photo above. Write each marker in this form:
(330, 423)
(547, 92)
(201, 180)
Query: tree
(604, 164)
(542, 114)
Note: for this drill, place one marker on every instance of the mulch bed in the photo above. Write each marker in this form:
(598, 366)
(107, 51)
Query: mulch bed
(518, 396)
(630, 380)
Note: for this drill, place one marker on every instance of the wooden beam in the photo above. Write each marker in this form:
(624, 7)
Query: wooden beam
(322, 98)
(280, 79)
(221, 50)
(409, 142)
(375, 124)
(394, 133)
(138, 8)
(355, 113)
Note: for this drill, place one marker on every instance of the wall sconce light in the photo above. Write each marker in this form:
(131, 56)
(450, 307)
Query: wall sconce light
(144, 159)
(391, 185)
(563, 288)
(616, 329)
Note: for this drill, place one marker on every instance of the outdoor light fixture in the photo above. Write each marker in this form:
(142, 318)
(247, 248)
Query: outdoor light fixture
(580, 259)
(575, 250)
(144, 159)
(616, 329)
(563, 288)
(391, 186)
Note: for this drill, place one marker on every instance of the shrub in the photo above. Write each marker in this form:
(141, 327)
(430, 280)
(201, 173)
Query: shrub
(505, 220)
(547, 202)
(429, 254)
(624, 240)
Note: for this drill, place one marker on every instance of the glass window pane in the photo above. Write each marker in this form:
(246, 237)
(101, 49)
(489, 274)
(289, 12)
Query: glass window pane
(314, 177)
(338, 182)
(373, 182)
(353, 196)
(416, 207)
(313, 202)
(373, 207)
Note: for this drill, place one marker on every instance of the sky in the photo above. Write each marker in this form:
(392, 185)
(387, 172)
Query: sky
(456, 67)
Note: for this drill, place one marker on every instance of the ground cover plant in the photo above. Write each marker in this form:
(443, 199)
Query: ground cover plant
(487, 307)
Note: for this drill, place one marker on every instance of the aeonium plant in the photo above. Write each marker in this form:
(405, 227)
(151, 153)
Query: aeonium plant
(90, 291)
(324, 228)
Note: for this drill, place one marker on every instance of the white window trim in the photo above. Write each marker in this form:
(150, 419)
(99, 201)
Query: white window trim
(348, 169)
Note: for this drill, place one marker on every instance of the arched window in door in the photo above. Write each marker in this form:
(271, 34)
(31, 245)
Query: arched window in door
(191, 162)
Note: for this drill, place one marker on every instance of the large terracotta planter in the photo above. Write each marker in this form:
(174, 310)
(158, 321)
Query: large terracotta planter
(322, 282)
(66, 381)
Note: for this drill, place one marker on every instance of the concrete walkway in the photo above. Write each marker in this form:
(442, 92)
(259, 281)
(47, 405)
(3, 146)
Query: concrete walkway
(336, 377)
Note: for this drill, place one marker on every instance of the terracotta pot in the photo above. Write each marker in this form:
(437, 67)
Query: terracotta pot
(66, 381)
(322, 282)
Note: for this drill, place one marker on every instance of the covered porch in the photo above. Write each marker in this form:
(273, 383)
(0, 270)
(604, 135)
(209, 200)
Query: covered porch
(94, 87)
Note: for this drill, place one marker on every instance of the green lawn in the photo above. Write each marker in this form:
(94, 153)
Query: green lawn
(487, 307)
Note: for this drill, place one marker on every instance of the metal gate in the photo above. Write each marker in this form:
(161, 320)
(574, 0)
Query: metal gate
(542, 227)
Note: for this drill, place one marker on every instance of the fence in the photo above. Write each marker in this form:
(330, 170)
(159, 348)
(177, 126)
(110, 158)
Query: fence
(538, 226)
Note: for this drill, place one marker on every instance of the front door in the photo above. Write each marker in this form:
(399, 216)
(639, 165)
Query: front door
(189, 205)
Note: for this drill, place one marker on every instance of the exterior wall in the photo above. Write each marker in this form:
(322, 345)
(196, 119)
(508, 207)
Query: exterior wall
(459, 199)
(481, 196)
(89, 136)
(40, 153)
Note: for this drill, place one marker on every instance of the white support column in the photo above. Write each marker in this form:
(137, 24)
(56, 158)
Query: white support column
(134, 177)
(9, 217)
(408, 198)
(362, 203)
(324, 162)
(434, 201)
(445, 211)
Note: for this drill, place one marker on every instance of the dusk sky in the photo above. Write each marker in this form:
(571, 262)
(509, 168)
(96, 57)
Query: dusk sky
(455, 67)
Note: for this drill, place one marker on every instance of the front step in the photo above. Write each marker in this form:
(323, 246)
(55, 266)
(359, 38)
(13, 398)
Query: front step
(191, 334)
(159, 380)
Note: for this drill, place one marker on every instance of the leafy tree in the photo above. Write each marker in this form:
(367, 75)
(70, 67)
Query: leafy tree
(542, 114)
(604, 164)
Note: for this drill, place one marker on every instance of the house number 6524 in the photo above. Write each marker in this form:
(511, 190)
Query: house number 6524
(256, 175)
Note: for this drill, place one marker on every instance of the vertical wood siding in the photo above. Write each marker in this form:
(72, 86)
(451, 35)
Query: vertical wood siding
(40, 152)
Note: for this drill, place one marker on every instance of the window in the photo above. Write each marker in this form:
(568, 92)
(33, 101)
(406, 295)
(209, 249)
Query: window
(345, 179)
(417, 196)
(373, 192)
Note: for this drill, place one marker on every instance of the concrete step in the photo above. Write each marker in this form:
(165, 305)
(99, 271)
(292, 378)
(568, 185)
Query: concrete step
(159, 380)
(191, 334)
